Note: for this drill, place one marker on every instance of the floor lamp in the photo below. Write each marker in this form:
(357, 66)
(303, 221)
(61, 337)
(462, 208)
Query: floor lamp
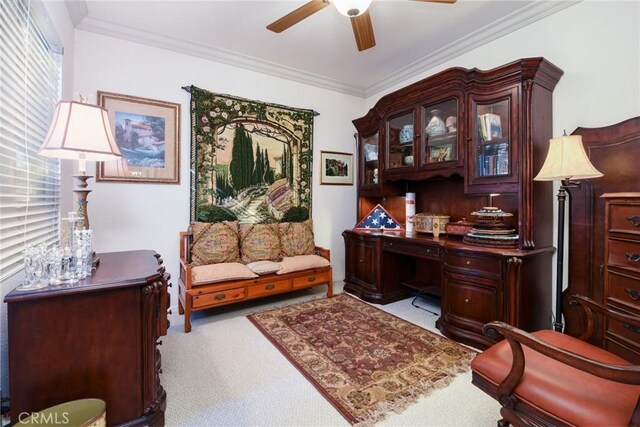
(566, 162)
(80, 132)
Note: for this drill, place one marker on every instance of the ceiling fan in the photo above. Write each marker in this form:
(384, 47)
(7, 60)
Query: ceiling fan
(356, 10)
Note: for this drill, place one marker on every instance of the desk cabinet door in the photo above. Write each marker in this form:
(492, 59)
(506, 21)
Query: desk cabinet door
(361, 260)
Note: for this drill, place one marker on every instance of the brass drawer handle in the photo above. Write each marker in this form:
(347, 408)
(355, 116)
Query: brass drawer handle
(634, 294)
(311, 279)
(634, 220)
(270, 286)
(220, 297)
(632, 257)
(361, 260)
(468, 262)
(466, 301)
(632, 328)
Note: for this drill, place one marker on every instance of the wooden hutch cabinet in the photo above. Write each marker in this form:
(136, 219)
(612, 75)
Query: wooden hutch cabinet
(97, 338)
(461, 140)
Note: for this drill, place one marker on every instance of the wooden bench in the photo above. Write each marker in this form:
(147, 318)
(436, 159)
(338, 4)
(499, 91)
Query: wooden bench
(195, 297)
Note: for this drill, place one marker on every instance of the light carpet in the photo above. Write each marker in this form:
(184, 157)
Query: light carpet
(226, 373)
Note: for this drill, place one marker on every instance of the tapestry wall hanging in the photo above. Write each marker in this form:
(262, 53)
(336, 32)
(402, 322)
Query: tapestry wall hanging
(251, 161)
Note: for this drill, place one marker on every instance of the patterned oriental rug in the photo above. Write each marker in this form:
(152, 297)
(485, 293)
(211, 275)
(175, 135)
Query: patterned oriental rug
(365, 361)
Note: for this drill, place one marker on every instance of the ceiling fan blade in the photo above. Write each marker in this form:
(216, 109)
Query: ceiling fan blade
(363, 31)
(437, 1)
(297, 15)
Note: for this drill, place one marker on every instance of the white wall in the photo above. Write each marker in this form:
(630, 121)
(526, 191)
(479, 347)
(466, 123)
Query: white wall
(54, 20)
(128, 216)
(596, 43)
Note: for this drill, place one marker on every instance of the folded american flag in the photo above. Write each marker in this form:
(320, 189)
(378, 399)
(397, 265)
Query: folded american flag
(378, 218)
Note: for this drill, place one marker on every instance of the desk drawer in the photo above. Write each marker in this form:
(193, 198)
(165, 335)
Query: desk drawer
(215, 298)
(469, 306)
(489, 265)
(311, 279)
(266, 288)
(419, 251)
(625, 254)
(624, 218)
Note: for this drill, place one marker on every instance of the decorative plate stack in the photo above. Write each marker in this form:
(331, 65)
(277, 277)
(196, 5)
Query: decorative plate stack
(490, 230)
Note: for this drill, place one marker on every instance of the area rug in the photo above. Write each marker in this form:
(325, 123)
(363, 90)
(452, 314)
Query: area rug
(365, 361)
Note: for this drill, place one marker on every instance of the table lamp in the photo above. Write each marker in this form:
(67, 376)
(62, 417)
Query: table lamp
(566, 162)
(80, 132)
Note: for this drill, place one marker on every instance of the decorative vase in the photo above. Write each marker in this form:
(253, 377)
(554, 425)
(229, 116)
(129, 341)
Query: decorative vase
(406, 134)
(436, 125)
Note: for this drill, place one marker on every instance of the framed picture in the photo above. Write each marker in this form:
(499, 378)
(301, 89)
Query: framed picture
(336, 168)
(148, 136)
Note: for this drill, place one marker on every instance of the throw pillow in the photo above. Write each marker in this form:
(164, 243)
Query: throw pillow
(302, 262)
(296, 238)
(264, 267)
(215, 243)
(220, 272)
(259, 242)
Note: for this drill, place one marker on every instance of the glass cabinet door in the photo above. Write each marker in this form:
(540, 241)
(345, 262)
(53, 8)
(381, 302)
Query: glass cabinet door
(440, 143)
(369, 160)
(400, 141)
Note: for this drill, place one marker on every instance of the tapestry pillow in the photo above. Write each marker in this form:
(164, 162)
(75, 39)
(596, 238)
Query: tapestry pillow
(259, 242)
(220, 272)
(214, 243)
(296, 238)
(301, 262)
(264, 267)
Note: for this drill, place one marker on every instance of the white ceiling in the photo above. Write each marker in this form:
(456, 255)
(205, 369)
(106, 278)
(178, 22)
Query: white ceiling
(410, 36)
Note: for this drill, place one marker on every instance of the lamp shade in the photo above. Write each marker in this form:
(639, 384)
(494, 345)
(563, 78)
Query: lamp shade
(566, 160)
(352, 8)
(80, 131)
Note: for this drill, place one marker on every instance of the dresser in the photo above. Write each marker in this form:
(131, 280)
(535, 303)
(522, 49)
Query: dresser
(94, 339)
(622, 271)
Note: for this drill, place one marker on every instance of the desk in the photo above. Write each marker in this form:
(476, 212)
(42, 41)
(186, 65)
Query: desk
(93, 339)
(476, 284)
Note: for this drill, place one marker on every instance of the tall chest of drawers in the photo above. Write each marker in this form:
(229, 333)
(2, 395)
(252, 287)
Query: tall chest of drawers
(622, 271)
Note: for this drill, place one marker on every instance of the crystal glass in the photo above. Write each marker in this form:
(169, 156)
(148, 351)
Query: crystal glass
(33, 258)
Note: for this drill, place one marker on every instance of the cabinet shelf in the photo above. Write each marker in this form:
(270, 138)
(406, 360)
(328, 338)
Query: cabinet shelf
(445, 139)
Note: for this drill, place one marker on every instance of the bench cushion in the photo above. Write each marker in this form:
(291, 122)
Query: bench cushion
(302, 262)
(215, 243)
(213, 273)
(572, 395)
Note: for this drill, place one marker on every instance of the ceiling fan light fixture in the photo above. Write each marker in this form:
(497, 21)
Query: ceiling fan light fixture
(351, 8)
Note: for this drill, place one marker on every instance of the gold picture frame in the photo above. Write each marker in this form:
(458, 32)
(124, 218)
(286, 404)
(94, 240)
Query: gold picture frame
(336, 168)
(147, 132)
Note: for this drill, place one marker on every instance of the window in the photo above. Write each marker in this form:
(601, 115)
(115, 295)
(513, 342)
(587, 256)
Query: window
(30, 84)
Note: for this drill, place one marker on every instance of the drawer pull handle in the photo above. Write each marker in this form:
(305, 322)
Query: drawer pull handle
(468, 262)
(311, 279)
(634, 220)
(466, 301)
(270, 286)
(632, 328)
(632, 257)
(361, 260)
(633, 293)
(220, 297)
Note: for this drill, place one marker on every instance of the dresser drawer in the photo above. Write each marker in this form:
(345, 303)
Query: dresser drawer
(625, 254)
(487, 265)
(311, 279)
(267, 288)
(624, 218)
(628, 332)
(215, 298)
(624, 288)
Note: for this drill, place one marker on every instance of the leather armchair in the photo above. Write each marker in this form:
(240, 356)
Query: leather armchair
(547, 378)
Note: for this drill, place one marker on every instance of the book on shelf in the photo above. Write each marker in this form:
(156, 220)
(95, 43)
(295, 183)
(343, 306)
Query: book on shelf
(489, 127)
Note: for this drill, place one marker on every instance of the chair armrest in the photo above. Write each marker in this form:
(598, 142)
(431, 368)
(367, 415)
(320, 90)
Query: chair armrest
(324, 253)
(588, 311)
(628, 374)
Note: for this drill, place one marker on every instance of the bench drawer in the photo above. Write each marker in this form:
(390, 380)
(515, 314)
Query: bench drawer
(215, 298)
(311, 279)
(266, 288)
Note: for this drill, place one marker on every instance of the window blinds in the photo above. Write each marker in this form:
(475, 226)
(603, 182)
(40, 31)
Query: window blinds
(30, 84)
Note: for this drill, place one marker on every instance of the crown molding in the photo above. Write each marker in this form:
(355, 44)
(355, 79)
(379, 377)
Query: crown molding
(216, 54)
(486, 34)
(78, 12)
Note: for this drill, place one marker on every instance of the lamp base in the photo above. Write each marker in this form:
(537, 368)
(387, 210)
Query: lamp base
(82, 193)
